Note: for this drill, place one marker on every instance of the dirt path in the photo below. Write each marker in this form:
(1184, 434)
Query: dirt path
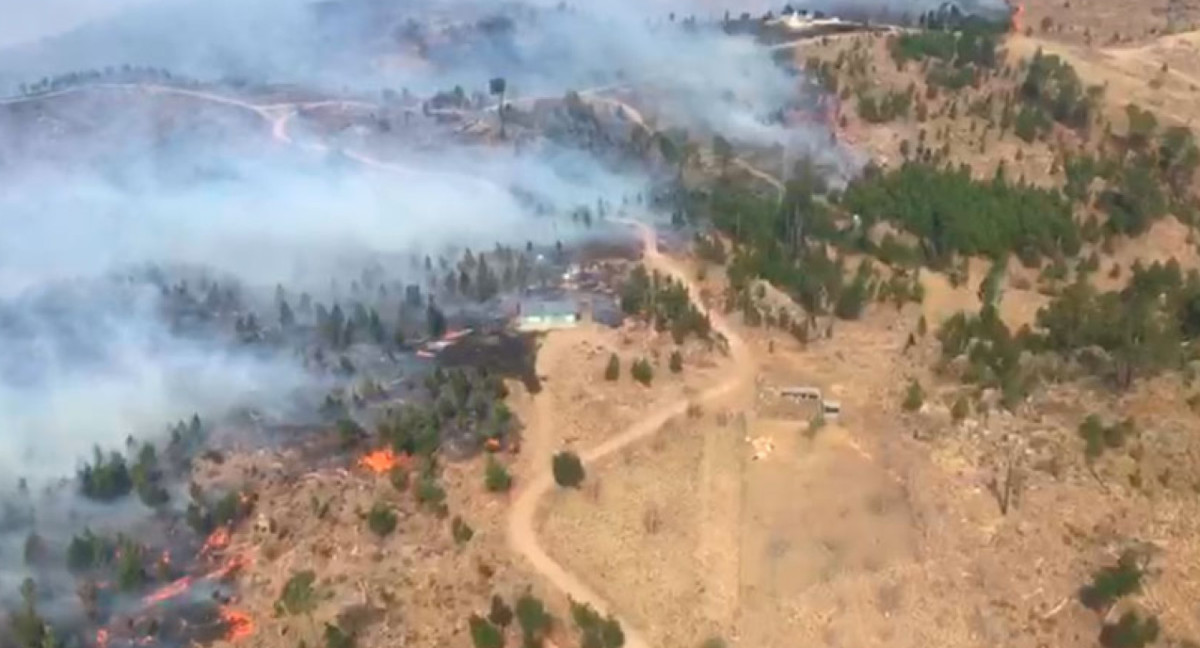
(522, 535)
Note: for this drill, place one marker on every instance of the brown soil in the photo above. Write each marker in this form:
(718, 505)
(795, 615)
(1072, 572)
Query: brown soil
(889, 531)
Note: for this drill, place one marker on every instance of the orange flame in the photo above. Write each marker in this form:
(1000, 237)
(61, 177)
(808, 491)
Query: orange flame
(102, 637)
(240, 624)
(380, 461)
(233, 564)
(169, 591)
(219, 539)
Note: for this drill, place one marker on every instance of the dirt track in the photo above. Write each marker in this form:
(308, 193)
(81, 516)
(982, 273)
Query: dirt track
(522, 535)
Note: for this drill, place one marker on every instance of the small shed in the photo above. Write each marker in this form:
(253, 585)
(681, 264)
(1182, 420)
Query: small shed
(547, 314)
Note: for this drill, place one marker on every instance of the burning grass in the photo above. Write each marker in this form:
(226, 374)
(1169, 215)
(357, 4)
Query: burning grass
(381, 461)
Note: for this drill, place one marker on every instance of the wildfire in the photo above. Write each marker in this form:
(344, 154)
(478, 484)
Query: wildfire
(240, 624)
(235, 563)
(219, 539)
(102, 638)
(379, 461)
(169, 591)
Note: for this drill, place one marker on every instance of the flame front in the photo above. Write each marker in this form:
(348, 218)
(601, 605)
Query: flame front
(231, 565)
(169, 591)
(217, 540)
(1017, 15)
(102, 638)
(380, 461)
(240, 624)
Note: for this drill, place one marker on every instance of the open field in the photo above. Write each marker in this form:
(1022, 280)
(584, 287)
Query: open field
(890, 531)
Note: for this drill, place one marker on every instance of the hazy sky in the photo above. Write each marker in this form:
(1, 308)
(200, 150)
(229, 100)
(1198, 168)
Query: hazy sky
(29, 20)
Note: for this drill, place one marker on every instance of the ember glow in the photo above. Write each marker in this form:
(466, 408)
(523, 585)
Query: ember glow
(218, 540)
(380, 461)
(168, 592)
(240, 624)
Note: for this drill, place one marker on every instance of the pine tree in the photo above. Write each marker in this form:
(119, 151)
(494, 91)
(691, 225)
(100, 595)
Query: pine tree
(568, 469)
(613, 370)
(287, 319)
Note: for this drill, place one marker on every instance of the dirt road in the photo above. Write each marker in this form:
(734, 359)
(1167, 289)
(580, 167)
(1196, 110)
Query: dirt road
(522, 535)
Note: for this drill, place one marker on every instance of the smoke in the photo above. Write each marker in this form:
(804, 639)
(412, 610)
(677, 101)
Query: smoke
(96, 191)
(182, 195)
(430, 45)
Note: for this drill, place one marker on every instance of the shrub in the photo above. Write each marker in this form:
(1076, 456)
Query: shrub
(596, 631)
(496, 477)
(381, 519)
(298, 595)
(676, 362)
(642, 372)
(1111, 583)
(568, 469)
(335, 637)
(430, 493)
(461, 531)
(1130, 632)
(1098, 437)
(501, 614)
(914, 398)
(484, 634)
(613, 370)
(532, 617)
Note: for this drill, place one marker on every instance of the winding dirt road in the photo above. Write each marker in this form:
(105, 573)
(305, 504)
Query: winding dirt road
(522, 533)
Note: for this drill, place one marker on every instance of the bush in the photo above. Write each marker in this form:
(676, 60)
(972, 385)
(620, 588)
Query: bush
(484, 634)
(676, 362)
(298, 595)
(1130, 632)
(596, 631)
(501, 614)
(642, 372)
(1098, 437)
(613, 370)
(532, 617)
(381, 519)
(1111, 583)
(496, 477)
(461, 531)
(914, 398)
(568, 469)
(336, 637)
(430, 493)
